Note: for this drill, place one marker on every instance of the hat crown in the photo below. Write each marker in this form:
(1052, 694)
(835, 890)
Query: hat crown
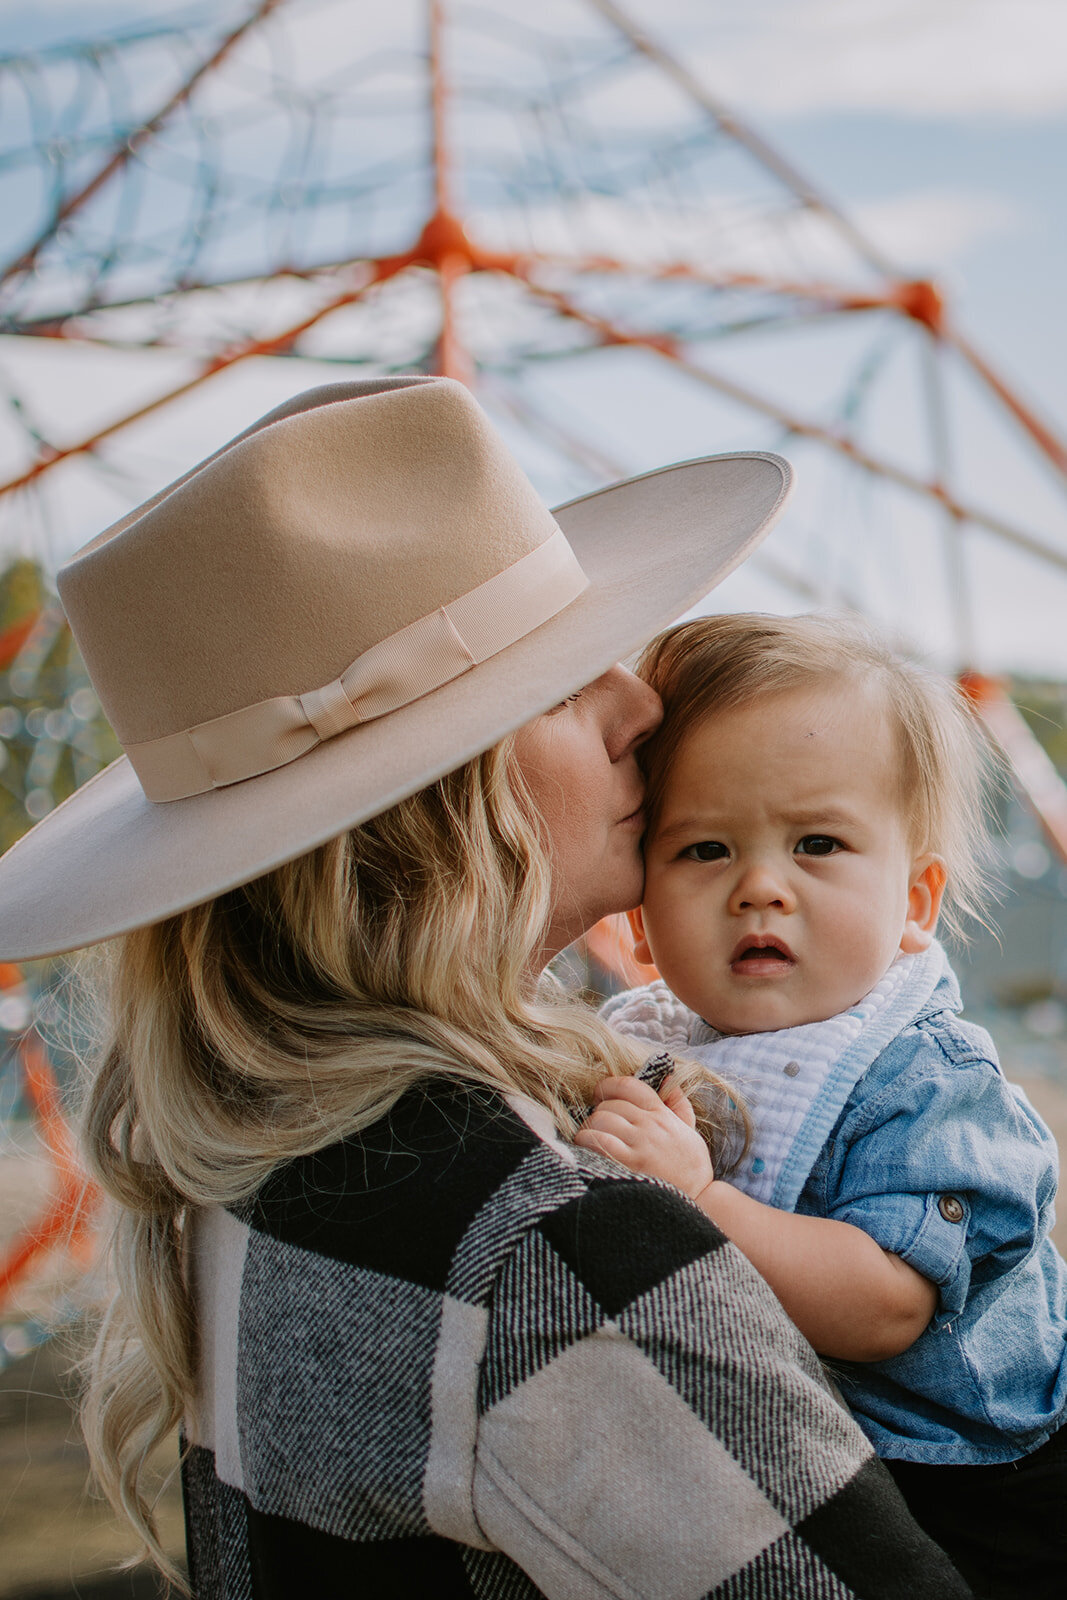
(297, 548)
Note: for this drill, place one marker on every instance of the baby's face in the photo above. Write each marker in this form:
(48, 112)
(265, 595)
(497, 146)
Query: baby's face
(780, 882)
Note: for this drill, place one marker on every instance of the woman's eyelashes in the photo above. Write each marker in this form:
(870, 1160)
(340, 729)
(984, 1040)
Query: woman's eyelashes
(571, 698)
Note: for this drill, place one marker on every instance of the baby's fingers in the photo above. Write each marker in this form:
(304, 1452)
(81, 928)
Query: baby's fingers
(681, 1105)
(631, 1089)
(625, 1142)
(605, 1144)
(620, 1118)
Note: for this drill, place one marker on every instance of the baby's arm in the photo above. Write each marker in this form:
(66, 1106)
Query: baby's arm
(850, 1298)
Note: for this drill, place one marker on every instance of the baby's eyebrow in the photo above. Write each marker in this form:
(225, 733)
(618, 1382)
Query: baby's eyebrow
(822, 816)
(812, 818)
(687, 825)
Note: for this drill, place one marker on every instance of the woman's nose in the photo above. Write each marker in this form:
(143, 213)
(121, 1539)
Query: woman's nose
(633, 711)
(760, 887)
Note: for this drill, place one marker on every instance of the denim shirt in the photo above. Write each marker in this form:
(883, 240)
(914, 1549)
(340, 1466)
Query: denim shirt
(917, 1138)
(946, 1164)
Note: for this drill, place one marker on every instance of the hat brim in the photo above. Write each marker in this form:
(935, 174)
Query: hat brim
(108, 860)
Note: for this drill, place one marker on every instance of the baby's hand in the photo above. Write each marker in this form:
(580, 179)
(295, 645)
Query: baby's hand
(632, 1124)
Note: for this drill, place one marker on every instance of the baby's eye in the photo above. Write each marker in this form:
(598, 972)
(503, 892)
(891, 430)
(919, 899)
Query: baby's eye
(817, 844)
(706, 850)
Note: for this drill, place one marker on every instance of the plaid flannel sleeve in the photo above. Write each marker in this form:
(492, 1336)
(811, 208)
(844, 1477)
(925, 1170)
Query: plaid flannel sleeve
(650, 1423)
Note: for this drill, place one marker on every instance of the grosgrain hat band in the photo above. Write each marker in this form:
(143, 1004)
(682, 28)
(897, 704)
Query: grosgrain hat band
(423, 656)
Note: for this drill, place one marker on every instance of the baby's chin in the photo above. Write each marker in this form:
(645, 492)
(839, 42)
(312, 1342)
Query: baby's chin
(772, 1014)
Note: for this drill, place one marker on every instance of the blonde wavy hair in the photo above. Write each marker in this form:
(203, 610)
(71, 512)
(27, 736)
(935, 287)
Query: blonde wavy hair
(296, 1010)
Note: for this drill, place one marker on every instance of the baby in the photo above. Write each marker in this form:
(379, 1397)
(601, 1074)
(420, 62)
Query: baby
(815, 805)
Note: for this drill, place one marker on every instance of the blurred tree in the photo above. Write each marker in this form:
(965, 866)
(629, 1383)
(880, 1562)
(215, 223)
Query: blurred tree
(53, 735)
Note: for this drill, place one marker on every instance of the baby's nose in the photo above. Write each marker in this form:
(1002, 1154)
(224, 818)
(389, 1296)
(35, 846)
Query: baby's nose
(761, 888)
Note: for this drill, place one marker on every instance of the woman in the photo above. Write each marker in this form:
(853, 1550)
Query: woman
(418, 1341)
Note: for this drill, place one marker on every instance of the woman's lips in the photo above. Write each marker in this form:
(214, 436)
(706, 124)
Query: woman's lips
(761, 955)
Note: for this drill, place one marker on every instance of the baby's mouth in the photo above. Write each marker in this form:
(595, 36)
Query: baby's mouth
(761, 955)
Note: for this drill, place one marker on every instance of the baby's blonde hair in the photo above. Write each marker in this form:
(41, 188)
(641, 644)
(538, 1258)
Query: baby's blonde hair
(944, 764)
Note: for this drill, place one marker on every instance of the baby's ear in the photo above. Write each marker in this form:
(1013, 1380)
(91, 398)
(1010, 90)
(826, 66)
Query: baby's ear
(926, 886)
(637, 928)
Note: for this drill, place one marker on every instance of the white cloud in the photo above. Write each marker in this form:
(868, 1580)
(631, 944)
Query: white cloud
(936, 59)
(939, 58)
(931, 228)
(925, 229)
(923, 58)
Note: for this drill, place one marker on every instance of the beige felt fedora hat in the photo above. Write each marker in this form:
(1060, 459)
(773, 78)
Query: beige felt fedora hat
(350, 599)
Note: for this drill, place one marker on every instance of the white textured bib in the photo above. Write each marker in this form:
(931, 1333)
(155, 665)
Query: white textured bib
(782, 1075)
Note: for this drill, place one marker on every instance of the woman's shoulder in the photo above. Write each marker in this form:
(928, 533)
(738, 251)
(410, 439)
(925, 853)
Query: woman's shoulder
(443, 1190)
(407, 1187)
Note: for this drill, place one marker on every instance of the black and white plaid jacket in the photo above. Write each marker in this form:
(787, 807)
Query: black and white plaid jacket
(455, 1357)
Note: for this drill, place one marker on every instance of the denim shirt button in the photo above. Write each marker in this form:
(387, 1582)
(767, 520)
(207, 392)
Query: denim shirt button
(950, 1208)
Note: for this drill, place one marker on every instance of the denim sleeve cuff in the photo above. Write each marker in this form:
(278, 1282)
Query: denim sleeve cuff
(939, 1251)
(929, 1232)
